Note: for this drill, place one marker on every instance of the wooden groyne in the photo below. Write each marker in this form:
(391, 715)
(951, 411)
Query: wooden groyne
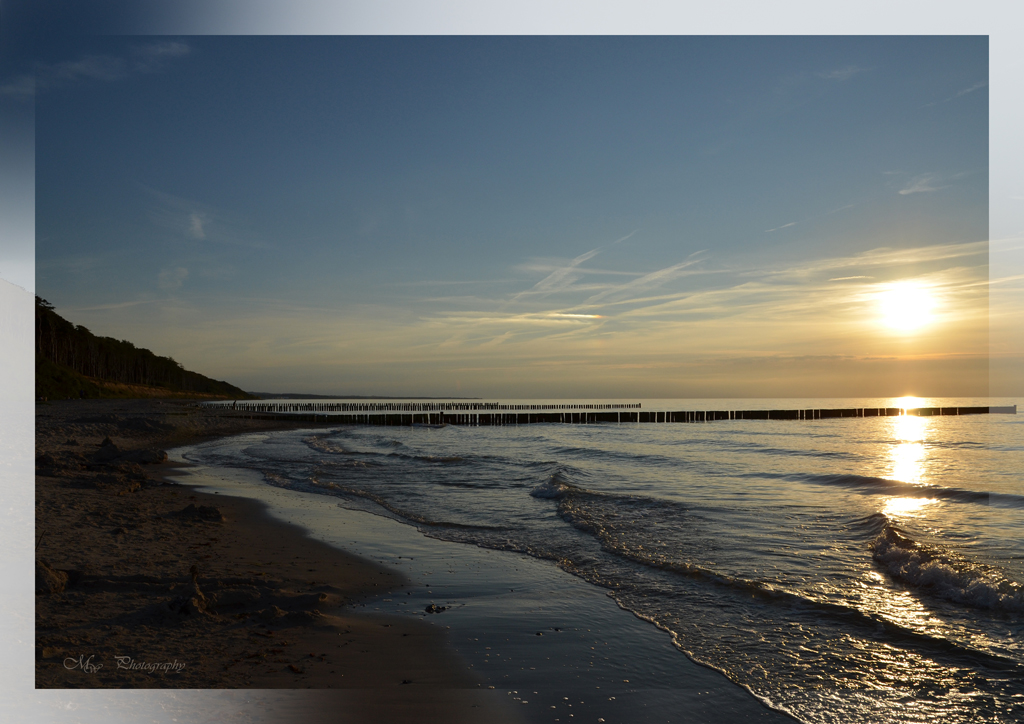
(585, 414)
(291, 407)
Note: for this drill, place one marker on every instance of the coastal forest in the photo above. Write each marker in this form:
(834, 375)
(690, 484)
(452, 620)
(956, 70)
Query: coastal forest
(71, 361)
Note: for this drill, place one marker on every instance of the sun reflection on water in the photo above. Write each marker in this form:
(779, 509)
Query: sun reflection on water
(908, 455)
(905, 507)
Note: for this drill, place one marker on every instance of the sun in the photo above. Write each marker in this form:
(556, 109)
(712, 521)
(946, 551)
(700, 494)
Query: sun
(906, 306)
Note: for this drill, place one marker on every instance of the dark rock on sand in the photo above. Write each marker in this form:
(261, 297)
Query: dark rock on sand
(434, 608)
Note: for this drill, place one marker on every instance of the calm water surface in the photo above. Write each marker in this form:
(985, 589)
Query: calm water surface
(865, 569)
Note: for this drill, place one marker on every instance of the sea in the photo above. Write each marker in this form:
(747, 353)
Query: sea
(866, 569)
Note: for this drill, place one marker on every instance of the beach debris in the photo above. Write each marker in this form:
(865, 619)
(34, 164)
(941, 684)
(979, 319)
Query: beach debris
(48, 579)
(201, 512)
(194, 602)
(434, 608)
(296, 669)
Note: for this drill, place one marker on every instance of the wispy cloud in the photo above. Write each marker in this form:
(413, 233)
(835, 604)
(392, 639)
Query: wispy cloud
(880, 258)
(925, 183)
(172, 278)
(189, 219)
(647, 282)
(841, 74)
(564, 276)
(147, 58)
(977, 86)
(195, 226)
(810, 218)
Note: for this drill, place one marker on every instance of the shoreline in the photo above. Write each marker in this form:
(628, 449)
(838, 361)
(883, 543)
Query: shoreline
(554, 644)
(144, 583)
(510, 622)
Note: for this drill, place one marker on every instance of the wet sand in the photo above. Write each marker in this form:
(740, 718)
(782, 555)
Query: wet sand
(143, 583)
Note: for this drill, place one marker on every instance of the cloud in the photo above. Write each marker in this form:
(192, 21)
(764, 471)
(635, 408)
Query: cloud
(809, 218)
(172, 278)
(153, 56)
(841, 74)
(147, 58)
(883, 257)
(977, 86)
(924, 183)
(965, 91)
(648, 281)
(194, 220)
(563, 277)
(21, 85)
(195, 226)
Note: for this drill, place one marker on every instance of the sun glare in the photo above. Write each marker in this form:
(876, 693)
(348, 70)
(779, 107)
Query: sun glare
(906, 306)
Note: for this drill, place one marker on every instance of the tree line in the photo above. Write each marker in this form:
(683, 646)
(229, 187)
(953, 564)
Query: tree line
(74, 347)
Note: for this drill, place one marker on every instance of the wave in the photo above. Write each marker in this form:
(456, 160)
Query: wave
(407, 515)
(332, 447)
(887, 486)
(553, 488)
(945, 574)
(615, 456)
(610, 519)
(434, 459)
(749, 446)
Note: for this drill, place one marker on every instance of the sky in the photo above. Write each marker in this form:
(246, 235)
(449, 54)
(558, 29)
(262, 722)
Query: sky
(524, 216)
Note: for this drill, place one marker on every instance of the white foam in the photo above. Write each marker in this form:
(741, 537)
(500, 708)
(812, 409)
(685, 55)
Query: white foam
(945, 576)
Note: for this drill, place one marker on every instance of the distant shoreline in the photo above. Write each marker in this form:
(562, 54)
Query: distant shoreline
(300, 396)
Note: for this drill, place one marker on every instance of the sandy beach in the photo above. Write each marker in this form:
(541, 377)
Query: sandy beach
(143, 583)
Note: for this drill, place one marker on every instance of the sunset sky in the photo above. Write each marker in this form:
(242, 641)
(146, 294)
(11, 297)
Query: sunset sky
(525, 216)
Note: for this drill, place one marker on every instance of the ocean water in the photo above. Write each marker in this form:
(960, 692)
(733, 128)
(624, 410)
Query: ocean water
(855, 569)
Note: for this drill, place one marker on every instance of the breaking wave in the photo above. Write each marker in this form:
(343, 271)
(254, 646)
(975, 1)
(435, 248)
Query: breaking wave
(944, 574)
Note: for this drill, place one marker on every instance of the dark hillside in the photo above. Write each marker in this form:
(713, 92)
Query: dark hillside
(73, 362)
